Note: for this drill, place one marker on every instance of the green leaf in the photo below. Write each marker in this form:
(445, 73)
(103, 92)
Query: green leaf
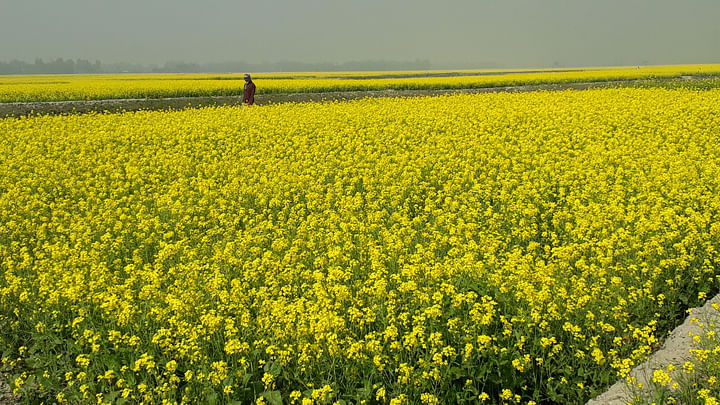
(30, 380)
(111, 397)
(246, 378)
(273, 397)
(275, 369)
(211, 398)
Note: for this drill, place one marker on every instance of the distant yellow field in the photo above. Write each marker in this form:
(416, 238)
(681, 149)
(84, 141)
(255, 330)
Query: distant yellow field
(92, 87)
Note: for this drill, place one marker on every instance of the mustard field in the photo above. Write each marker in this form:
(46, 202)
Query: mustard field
(28, 88)
(498, 248)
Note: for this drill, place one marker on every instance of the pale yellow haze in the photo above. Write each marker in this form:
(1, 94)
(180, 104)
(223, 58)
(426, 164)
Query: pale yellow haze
(451, 34)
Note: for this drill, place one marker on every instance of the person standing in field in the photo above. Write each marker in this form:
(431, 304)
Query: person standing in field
(248, 91)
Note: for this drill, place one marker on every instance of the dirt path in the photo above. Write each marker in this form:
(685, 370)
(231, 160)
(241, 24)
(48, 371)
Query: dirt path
(115, 105)
(675, 350)
(6, 395)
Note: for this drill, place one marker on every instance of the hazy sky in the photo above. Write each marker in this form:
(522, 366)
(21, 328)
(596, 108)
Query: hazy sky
(509, 33)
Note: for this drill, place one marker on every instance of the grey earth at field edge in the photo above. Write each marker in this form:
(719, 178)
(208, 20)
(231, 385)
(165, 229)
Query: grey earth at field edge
(674, 350)
(119, 105)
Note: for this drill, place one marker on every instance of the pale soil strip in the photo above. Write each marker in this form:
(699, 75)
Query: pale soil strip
(675, 350)
(115, 105)
(6, 395)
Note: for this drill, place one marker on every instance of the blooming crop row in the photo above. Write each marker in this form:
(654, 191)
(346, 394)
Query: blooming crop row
(499, 247)
(90, 87)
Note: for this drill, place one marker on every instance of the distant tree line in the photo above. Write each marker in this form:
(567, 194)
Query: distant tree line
(70, 66)
(58, 65)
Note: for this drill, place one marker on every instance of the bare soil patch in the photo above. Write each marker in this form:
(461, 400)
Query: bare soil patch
(175, 103)
(675, 350)
(6, 395)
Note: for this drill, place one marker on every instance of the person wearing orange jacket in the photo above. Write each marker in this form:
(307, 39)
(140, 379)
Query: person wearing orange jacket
(248, 91)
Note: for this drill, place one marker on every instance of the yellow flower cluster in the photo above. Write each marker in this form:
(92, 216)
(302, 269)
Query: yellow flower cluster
(498, 247)
(26, 88)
